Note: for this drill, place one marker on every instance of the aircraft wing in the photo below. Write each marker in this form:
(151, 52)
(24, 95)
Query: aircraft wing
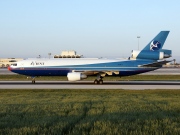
(102, 73)
(155, 64)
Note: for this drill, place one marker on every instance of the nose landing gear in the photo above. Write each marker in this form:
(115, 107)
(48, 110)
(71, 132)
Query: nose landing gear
(33, 80)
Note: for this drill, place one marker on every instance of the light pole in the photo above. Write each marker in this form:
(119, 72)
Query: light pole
(174, 61)
(138, 37)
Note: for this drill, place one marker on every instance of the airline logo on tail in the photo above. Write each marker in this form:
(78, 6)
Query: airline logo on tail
(155, 45)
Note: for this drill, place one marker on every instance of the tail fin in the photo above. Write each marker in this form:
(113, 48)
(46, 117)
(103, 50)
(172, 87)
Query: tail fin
(153, 50)
(157, 43)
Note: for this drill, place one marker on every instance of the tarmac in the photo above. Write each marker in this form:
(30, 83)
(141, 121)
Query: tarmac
(128, 85)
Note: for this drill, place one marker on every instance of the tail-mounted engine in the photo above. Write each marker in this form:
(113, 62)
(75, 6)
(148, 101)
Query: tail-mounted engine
(153, 55)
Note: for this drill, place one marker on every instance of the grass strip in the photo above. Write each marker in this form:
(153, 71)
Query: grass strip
(89, 112)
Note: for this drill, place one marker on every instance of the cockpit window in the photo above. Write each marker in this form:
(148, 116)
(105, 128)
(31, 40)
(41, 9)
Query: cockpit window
(14, 64)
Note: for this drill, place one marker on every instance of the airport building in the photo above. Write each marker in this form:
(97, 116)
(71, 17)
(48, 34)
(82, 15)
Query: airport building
(68, 54)
(5, 62)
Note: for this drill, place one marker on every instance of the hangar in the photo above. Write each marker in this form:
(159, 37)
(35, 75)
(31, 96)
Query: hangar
(68, 54)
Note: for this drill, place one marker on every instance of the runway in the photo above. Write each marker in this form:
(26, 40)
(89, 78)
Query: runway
(130, 85)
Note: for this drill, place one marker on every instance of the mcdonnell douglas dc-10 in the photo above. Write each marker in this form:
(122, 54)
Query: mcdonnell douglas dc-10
(150, 58)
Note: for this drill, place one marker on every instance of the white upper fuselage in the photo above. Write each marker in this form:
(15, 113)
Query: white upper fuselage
(44, 62)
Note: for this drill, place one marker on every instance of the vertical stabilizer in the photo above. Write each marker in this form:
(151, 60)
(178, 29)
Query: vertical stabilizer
(157, 43)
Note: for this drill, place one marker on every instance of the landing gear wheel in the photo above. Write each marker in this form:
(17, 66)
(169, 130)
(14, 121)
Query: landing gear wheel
(96, 81)
(100, 81)
(33, 81)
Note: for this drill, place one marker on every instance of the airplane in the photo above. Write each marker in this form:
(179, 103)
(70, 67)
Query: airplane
(150, 58)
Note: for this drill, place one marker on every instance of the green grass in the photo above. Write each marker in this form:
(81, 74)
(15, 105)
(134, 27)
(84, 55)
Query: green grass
(89, 112)
(107, 78)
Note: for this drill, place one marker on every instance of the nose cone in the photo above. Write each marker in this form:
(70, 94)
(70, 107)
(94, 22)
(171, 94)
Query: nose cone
(9, 68)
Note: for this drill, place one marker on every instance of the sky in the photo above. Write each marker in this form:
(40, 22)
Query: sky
(93, 28)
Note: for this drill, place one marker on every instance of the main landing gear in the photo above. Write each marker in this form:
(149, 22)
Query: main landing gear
(96, 81)
(99, 79)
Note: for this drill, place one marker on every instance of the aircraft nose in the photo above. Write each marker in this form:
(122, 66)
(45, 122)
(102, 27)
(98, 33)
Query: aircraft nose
(9, 68)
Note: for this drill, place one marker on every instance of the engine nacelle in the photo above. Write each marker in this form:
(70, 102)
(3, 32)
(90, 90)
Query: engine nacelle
(145, 54)
(75, 76)
(167, 53)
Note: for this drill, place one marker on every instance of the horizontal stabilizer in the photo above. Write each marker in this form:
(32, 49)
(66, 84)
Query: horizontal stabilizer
(155, 64)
